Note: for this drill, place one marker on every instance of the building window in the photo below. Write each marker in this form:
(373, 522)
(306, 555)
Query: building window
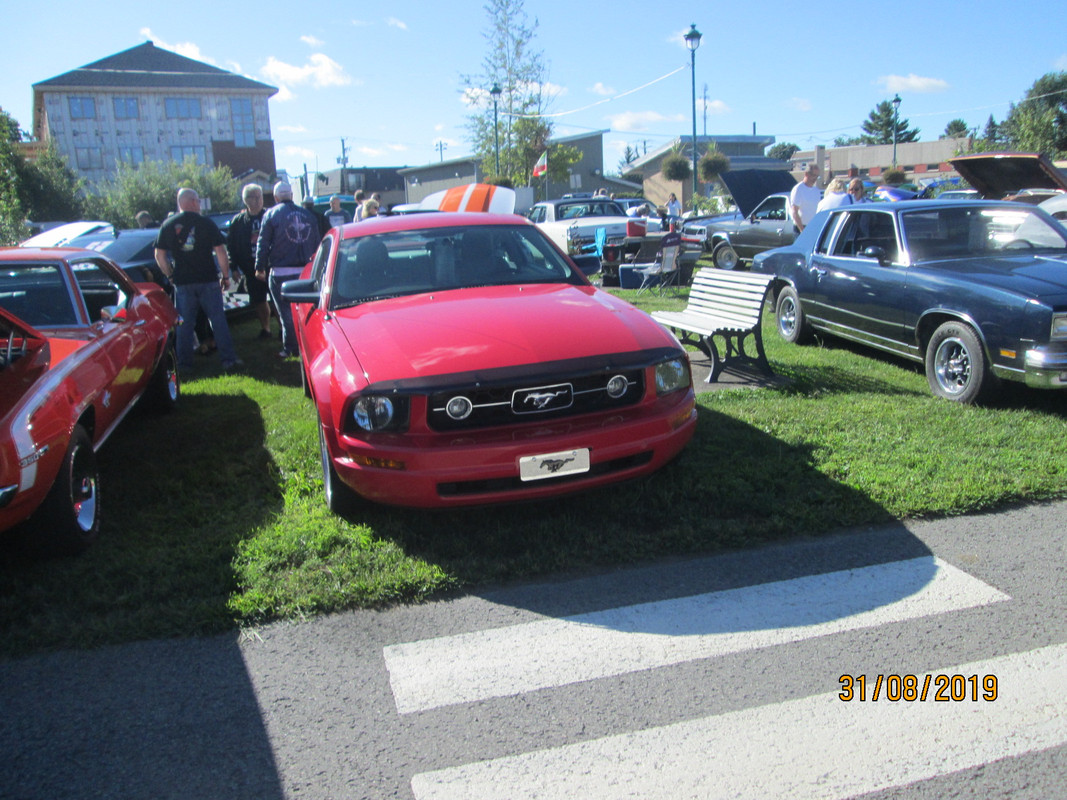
(182, 152)
(131, 155)
(88, 157)
(126, 108)
(82, 107)
(244, 124)
(182, 107)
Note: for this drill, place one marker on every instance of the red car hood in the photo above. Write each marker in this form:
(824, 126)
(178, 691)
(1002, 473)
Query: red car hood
(477, 329)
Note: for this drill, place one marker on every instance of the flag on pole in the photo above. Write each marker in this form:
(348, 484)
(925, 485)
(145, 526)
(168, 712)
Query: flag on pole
(541, 167)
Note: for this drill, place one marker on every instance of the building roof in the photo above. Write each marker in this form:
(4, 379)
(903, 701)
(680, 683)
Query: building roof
(149, 67)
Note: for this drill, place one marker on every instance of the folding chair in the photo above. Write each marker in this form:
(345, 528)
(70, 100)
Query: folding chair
(662, 272)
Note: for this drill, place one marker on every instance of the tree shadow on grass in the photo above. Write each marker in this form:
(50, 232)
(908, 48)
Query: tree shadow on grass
(178, 493)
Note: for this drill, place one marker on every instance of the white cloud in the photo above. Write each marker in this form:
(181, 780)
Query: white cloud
(187, 49)
(1061, 63)
(292, 128)
(635, 121)
(360, 23)
(601, 89)
(284, 95)
(320, 71)
(912, 83)
(300, 152)
(393, 22)
(311, 41)
(715, 107)
(798, 104)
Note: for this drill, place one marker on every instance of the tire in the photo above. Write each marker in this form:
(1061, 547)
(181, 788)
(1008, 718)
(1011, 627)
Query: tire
(164, 387)
(956, 367)
(340, 499)
(68, 520)
(725, 257)
(792, 324)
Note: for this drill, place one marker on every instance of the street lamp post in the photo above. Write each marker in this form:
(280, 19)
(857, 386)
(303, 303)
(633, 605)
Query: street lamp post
(896, 109)
(692, 41)
(495, 92)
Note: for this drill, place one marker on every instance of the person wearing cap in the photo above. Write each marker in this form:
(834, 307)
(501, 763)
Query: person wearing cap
(186, 251)
(337, 216)
(288, 238)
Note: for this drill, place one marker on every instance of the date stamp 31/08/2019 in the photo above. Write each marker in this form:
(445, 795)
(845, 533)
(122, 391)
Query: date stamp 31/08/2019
(910, 688)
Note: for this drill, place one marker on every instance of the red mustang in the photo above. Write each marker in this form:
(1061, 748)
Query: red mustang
(79, 344)
(461, 358)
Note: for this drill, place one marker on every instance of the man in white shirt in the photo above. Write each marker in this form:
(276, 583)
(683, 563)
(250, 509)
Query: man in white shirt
(804, 198)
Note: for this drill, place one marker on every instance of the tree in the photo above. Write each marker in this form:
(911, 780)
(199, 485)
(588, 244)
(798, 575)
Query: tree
(521, 75)
(153, 187)
(12, 215)
(956, 129)
(783, 151)
(1039, 122)
(849, 141)
(51, 190)
(878, 127)
(629, 156)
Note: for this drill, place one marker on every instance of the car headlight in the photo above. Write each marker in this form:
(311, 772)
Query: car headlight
(1059, 327)
(672, 375)
(374, 413)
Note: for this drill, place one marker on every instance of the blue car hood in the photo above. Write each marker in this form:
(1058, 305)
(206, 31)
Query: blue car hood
(1042, 277)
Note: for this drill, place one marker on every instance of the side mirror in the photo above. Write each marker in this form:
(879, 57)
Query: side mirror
(113, 313)
(589, 265)
(301, 291)
(877, 253)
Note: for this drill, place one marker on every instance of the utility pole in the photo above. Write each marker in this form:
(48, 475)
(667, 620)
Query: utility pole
(441, 147)
(343, 161)
(705, 109)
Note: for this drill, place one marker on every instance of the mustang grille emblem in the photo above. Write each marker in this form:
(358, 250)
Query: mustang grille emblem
(542, 398)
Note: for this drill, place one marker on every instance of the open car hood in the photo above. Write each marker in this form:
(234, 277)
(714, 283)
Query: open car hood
(995, 175)
(750, 186)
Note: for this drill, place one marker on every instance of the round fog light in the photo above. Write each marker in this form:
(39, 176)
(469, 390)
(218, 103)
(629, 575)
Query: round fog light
(459, 408)
(617, 386)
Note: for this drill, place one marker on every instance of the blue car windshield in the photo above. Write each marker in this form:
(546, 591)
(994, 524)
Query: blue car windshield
(964, 231)
(436, 259)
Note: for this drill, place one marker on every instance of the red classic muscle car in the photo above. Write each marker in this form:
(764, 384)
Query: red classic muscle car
(460, 359)
(80, 343)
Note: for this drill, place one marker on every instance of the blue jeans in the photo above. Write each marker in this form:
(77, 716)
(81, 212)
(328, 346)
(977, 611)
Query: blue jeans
(278, 276)
(190, 298)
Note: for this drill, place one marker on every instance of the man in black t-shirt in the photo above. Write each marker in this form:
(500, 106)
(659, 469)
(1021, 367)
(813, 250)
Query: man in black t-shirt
(186, 249)
(241, 245)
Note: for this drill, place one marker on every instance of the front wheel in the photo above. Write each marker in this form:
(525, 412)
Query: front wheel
(792, 325)
(724, 256)
(339, 497)
(956, 368)
(68, 520)
(164, 387)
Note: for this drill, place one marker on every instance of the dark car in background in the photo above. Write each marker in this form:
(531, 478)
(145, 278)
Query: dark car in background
(764, 221)
(976, 291)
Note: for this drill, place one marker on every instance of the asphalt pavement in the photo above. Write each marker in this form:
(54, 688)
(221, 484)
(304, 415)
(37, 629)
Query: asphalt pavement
(707, 677)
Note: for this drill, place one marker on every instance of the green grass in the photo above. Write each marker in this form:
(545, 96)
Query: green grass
(214, 516)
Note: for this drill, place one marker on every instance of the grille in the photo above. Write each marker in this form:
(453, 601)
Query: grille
(533, 401)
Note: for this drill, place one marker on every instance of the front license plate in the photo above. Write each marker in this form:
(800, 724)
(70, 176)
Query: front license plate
(551, 465)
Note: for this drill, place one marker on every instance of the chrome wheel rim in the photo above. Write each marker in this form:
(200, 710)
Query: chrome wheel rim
(787, 317)
(83, 490)
(952, 365)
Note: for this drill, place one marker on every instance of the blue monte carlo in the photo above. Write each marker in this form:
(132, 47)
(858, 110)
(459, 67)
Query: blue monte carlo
(976, 291)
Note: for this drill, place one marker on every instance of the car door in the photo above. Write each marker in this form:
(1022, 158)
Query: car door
(766, 228)
(124, 348)
(857, 295)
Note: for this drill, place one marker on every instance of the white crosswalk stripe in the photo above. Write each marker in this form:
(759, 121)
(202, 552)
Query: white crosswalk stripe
(508, 661)
(814, 747)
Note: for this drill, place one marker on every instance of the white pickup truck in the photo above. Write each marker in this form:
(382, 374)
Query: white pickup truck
(572, 223)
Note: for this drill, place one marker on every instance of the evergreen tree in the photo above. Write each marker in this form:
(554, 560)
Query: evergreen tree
(878, 127)
(956, 129)
(783, 151)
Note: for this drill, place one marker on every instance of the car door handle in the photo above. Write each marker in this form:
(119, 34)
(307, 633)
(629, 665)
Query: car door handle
(818, 272)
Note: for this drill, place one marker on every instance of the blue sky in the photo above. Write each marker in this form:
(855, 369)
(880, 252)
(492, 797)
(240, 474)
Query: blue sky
(386, 77)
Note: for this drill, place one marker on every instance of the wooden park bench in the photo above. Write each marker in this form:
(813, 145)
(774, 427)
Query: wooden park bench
(723, 303)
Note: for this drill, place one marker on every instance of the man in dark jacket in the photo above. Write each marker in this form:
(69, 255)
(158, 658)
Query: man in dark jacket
(241, 245)
(288, 238)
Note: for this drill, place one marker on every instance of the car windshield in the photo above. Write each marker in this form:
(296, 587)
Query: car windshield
(36, 293)
(436, 259)
(974, 230)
